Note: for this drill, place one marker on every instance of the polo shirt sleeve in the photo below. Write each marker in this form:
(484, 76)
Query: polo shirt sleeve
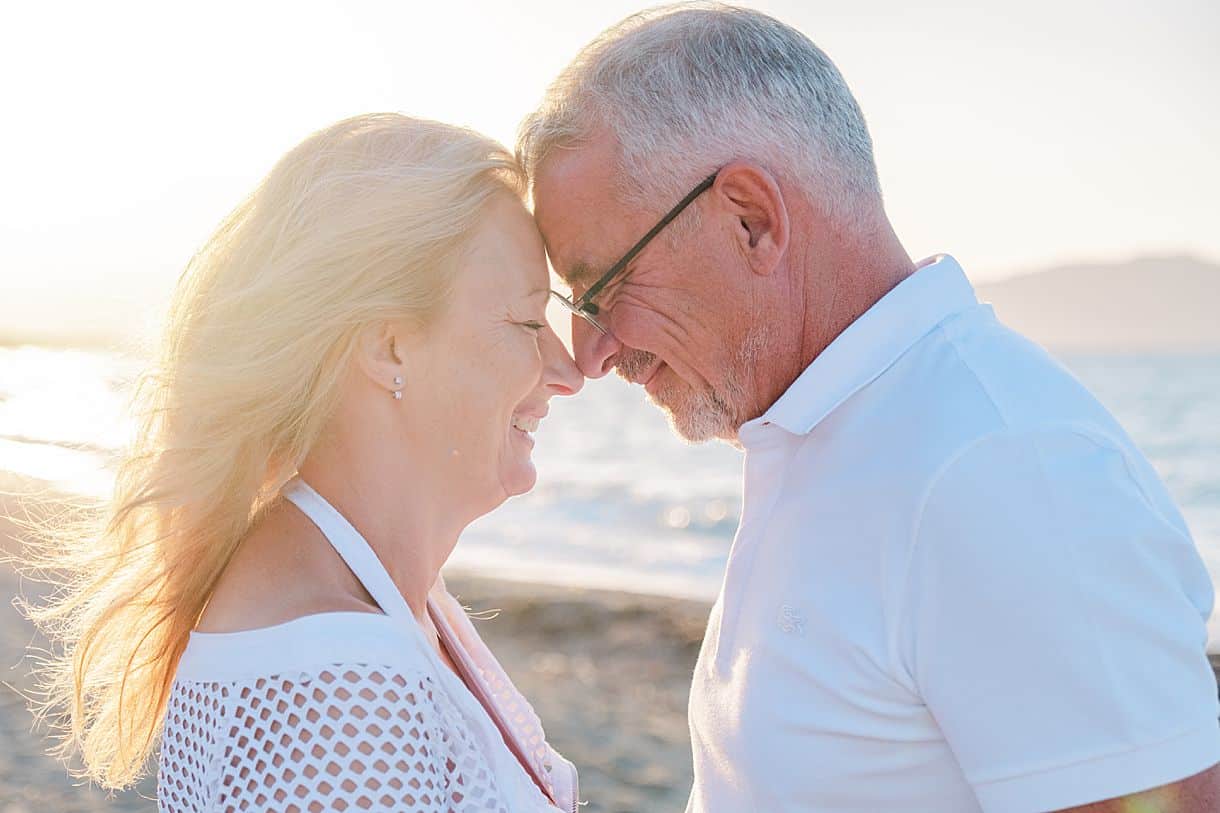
(1054, 623)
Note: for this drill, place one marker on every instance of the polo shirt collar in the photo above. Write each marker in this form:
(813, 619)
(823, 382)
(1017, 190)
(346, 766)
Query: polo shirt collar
(870, 345)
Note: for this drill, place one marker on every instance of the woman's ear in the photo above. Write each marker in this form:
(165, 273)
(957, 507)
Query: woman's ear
(751, 195)
(379, 355)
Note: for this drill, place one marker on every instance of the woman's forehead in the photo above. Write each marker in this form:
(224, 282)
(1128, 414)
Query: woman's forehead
(505, 256)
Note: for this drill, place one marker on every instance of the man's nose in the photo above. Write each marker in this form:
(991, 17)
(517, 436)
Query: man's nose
(595, 351)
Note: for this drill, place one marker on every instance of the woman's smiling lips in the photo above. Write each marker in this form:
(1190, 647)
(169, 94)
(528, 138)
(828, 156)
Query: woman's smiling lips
(526, 423)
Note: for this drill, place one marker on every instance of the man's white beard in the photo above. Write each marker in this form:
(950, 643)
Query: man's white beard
(698, 416)
(702, 415)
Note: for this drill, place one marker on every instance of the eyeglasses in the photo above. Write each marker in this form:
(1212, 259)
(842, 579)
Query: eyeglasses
(583, 306)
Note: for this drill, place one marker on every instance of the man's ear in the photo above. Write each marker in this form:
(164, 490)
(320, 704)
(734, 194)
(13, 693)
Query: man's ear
(751, 195)
(380, 356)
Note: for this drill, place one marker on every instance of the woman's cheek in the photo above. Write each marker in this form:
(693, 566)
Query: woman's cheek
(527, 360)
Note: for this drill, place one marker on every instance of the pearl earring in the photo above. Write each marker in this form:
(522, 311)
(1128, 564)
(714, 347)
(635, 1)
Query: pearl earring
(397, 383)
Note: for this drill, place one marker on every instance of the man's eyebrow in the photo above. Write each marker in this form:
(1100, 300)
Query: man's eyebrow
(580, 273)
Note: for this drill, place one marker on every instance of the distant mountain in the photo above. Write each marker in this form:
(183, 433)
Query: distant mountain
(1148, 304)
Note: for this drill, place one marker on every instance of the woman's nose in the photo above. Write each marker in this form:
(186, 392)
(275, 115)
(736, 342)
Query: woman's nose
(560, 374)
(595, 351)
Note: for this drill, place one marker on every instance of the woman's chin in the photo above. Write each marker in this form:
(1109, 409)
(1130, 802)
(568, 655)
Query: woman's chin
(519, 474)
(521, 478)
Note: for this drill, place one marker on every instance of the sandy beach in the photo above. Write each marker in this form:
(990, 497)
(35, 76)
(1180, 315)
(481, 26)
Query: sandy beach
(608, 673)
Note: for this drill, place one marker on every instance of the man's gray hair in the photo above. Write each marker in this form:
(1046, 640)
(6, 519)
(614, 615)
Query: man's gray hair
(686, 88)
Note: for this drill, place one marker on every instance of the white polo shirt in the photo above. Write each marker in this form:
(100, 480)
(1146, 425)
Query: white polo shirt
(957, 585)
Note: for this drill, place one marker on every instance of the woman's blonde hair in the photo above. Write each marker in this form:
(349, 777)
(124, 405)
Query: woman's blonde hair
(362, 222)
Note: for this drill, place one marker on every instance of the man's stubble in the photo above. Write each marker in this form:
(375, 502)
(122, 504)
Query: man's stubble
(699, 415)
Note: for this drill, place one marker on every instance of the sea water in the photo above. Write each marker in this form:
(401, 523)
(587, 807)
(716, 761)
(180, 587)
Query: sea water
(621, 502)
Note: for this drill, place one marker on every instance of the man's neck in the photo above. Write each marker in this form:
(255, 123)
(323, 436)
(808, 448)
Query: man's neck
(831, 283)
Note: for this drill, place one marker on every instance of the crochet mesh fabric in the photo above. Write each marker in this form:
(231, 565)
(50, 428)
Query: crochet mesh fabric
(345, 737)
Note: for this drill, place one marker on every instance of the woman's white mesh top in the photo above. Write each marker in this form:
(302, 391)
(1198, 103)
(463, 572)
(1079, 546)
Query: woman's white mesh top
(351, 711)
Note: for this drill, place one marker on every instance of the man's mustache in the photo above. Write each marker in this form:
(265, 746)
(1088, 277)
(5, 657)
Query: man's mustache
(632, 363)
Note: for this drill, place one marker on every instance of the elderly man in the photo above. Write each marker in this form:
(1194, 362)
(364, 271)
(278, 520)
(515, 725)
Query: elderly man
(956, 585)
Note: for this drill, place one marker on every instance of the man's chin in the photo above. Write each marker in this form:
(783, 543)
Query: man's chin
(695, 417)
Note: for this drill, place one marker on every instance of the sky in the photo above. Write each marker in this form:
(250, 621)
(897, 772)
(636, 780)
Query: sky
(1014, 135)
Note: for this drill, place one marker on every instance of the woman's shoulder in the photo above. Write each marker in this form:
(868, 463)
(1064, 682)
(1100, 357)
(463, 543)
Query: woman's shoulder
(283, 569)
(303, 646)
(309, 714)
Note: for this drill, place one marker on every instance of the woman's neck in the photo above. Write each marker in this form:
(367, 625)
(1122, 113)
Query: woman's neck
(411, 529)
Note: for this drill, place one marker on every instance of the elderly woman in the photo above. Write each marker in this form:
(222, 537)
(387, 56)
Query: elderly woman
(351, 372)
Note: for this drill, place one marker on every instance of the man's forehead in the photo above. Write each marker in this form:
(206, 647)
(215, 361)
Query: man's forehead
(572, 181)
(576, 209)
(588, 163)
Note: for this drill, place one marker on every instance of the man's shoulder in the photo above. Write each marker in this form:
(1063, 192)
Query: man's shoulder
(972, 378)
(1025, 384)
(969, 391)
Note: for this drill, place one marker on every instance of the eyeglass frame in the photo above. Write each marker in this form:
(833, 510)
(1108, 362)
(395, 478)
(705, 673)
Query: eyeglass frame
(588, 310)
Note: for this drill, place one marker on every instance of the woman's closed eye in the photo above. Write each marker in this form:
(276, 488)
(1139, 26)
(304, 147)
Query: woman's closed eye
(534, 326)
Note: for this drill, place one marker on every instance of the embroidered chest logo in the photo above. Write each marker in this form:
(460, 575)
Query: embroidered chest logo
(790, 620)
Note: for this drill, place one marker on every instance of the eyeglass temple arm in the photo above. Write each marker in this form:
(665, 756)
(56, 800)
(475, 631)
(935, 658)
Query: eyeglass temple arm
(618, 267)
